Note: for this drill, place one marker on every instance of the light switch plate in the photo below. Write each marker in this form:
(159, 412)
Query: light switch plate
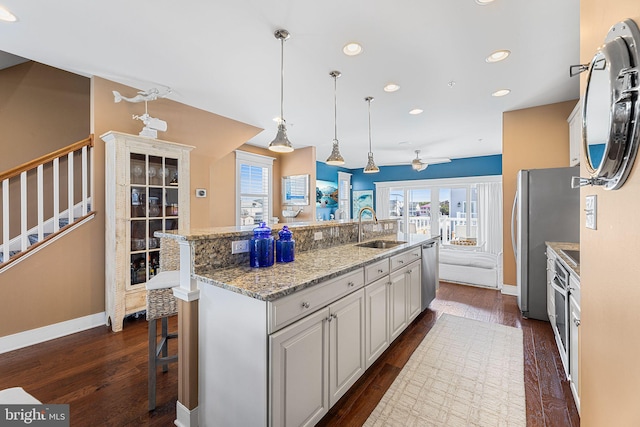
(317, 235)
(590, 210)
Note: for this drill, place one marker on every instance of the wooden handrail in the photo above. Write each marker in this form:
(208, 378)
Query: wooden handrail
(46, 158)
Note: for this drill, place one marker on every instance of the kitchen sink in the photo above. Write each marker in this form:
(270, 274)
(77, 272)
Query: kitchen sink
(380, 244)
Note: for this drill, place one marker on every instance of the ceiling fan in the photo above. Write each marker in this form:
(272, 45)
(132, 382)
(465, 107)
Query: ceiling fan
(419, 165)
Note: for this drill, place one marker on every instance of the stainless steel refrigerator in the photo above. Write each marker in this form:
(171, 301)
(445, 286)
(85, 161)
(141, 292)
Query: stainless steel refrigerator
(545, 208)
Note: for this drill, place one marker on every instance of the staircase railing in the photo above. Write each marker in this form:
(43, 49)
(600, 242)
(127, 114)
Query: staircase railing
(16, 241)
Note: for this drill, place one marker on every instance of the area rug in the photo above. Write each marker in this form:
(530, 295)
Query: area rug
(464, 373)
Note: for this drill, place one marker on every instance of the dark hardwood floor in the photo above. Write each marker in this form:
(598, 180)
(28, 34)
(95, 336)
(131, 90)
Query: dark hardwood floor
(103, 375)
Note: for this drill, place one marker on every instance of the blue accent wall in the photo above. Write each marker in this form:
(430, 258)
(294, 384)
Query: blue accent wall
(325, 172)
(458, 168)
(470, 166)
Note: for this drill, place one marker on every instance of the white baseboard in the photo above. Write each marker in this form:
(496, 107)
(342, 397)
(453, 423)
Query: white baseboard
(186, 417)
(510, 290)
(46, 333)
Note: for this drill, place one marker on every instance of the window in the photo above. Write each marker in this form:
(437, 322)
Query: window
(254, 188)
(344, 195)
(445, 207)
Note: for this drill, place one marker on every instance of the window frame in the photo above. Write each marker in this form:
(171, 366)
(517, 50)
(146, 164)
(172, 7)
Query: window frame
(252, 159)
(435, 185)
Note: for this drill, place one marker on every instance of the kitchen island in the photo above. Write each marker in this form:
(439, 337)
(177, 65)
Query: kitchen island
(280, 345)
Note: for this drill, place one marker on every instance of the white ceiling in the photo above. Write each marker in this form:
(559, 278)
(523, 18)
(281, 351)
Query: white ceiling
(221, 56)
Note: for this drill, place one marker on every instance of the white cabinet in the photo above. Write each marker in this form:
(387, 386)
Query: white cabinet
(146, 190)
(397, 303)
(574, 338)
(316, 360)
(299, 371)
(404, 298)
(414, 291)
(377, 318)
(575, 134)
(346, 344)
(551, 305)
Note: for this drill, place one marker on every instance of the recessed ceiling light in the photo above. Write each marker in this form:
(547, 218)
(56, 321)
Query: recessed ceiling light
(391, 87)
(498, 55)
(7, 16)
(501, 92)
(352, 49)
(416, 111)
(484, 2)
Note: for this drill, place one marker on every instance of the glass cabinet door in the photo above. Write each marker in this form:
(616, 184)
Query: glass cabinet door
(153, 187)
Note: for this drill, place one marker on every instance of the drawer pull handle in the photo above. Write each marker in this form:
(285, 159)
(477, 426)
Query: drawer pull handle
(416, 255)
(380, 270)
(409, 272)
(389, 283)
(305, 304)
(350, 284)
(577, 322)
(400, 261)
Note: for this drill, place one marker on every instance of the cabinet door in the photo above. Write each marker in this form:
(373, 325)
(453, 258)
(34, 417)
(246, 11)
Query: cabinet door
(575, 135)
(346, 344)
(299, 371)
(377, 318)
(574, 349)
(551, 304)
(414, 288)
(397, 303)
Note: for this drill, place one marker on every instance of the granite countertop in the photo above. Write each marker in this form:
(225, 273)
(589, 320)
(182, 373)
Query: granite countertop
(309, 268)
(235, 231)
(557, 248)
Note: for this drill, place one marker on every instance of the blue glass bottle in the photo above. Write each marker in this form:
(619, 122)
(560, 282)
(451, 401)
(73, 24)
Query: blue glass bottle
(261, 247)
(285, 246)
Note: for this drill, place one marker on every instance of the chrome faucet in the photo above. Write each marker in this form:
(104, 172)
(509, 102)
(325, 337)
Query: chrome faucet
(375, 218)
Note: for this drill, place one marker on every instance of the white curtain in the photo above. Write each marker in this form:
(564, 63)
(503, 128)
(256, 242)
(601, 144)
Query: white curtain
(382, 202)
(490, 216)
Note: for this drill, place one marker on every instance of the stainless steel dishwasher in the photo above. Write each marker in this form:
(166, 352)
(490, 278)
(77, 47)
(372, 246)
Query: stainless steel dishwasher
(429, 272)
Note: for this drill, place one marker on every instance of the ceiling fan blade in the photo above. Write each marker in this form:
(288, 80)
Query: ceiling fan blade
(435, 161)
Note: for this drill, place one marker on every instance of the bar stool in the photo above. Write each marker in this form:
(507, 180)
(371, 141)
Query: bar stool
(160, 305)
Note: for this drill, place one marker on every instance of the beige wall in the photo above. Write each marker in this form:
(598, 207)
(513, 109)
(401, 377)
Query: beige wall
(610, 271)
(41, 109)
(223, 188)
(301, 162)
(66, 279)
(533, 138)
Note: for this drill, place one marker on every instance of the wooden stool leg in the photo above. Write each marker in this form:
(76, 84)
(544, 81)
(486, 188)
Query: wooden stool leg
(152, 364)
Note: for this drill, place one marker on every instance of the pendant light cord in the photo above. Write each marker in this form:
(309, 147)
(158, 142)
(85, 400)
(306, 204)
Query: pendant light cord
(369, 101)
(335, 108)
(282, 80)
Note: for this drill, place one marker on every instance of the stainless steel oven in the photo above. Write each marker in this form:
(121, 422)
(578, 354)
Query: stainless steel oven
(560, 285)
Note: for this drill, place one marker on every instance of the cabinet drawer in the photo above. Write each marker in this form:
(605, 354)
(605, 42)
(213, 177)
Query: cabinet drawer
(376, 270)
(135, 301)
(405, 258)
(290, 308)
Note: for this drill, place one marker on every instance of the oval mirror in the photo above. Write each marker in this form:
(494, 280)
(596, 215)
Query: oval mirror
(610, 107)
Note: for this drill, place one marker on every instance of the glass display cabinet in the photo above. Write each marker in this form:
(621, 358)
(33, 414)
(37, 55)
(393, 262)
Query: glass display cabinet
(147, 190)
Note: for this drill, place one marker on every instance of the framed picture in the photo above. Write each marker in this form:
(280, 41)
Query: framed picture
(326, 194)
(362, 198)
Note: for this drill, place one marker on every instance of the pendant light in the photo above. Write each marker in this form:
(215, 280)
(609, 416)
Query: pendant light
(371, 166)
(335, 158)
(281, 143)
